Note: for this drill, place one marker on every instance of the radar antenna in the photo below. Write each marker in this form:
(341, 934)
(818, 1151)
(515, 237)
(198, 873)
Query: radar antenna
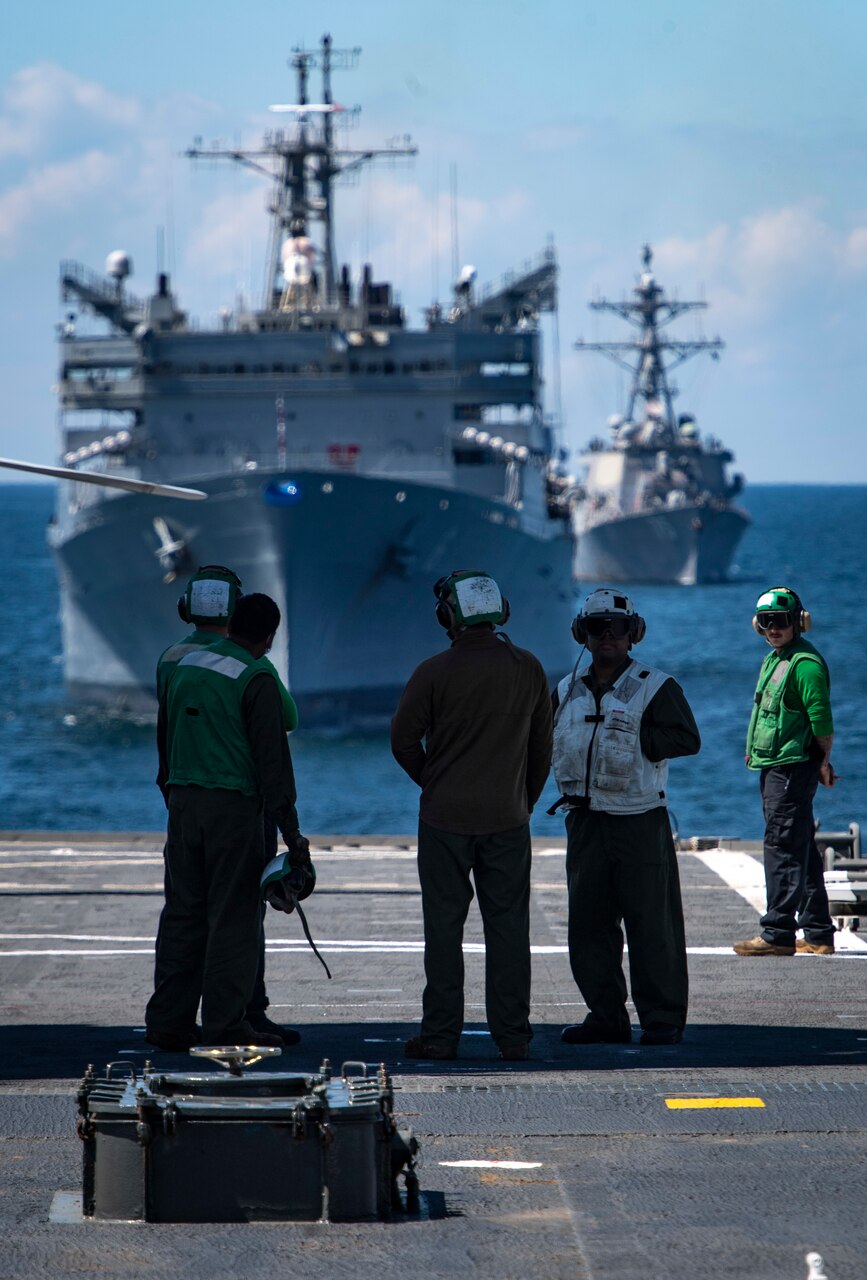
(302, 157)
(657, 355)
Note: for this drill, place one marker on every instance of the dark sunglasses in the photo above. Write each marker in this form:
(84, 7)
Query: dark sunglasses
(617, 626)
(781, 620)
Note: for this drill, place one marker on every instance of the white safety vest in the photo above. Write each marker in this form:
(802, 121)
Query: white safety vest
(621, 779)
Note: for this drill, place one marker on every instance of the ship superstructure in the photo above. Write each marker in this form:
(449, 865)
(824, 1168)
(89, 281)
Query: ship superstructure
(658, 502)
(349, 458)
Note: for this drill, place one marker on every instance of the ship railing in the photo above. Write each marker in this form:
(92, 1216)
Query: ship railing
(101, 392)
(537, 265)
(347, 460)
(92, 287)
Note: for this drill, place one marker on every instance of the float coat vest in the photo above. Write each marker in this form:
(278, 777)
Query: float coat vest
(779, 734)
(598, 754)
(198, 639)
(170, 657)
(207, 738)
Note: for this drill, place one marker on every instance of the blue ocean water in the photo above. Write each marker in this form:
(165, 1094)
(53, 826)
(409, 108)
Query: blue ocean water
(62, 767)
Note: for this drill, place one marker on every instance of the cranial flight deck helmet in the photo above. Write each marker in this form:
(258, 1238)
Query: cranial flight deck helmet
(211, 595)
(777, 601)
(285, 885)
(467, 597)
(604, 605)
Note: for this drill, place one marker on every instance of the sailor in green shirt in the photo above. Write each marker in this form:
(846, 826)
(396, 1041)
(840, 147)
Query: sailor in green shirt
(789, 742)
(208, 603)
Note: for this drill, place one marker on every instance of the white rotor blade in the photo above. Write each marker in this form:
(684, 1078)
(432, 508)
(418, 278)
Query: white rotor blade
(108, 482)
(304, 108)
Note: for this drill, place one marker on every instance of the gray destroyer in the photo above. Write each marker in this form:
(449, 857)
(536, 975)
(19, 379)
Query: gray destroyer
(658, 504)
(349, 459)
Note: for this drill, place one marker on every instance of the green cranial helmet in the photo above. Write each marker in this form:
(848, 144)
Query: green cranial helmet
(468, 597)
(211, 595)
(283, 885)
(778, 600)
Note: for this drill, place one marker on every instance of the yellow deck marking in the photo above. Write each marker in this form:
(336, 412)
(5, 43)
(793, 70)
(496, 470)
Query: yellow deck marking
(694, 1104)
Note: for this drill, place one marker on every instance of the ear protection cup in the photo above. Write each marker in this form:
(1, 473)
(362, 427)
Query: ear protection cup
(806, 619)
(445, 615)
(756, 626)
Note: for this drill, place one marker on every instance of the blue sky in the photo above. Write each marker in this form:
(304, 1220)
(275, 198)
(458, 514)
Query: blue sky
(731, 136)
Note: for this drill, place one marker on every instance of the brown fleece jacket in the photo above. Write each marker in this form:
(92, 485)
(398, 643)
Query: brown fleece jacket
(473, 729)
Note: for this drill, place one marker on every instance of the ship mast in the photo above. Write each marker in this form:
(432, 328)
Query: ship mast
(657, 355)
(299, 158)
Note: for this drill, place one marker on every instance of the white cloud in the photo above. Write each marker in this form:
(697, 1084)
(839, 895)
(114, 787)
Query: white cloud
(49, 192)
(407, 234)
(781, 239)
(705, 253)
(224, 251)
(754, 268)
(226, 223)
(855, 249)
(43, 102)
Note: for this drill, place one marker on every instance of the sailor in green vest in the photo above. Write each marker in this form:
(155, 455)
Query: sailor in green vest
(208, 602)
(789, 743)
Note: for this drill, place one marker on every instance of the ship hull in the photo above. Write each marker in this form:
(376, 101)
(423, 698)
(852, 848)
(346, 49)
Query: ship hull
(350, 560)
(687, 545)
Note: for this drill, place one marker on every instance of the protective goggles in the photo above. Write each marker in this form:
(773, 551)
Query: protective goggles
(780, 620)
(617, 626)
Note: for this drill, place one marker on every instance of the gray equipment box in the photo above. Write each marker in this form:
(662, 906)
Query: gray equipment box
(256, 1147)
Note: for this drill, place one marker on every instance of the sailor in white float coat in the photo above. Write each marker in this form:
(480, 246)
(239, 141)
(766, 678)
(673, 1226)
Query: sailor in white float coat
(617, 723)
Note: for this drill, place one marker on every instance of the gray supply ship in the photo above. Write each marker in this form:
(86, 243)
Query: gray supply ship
(658, 504)
(349, 459)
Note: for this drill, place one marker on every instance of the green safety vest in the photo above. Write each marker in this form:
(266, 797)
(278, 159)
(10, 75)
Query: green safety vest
(170, 658)
(198, 639)
(206, 735)
(779, 734)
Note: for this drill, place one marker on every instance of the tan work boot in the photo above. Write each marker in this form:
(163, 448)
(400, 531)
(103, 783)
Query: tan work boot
(804, 947)
(758, 947)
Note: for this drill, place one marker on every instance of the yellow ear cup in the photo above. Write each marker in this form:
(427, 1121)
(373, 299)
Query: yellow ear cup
(806, 620)
(756, 626)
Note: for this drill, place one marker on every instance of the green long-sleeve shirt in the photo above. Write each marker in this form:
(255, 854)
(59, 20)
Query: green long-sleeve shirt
(809, 690)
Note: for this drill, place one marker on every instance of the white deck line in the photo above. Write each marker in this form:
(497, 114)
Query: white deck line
(746, 875)
(411, 947)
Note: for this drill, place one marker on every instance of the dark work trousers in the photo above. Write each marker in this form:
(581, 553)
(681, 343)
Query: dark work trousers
(622, 870)
(208, 944)
(794, 875)
(500, 868)
(259, 1000)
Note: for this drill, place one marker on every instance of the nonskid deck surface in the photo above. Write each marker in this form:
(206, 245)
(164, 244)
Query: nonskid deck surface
(733, 1154)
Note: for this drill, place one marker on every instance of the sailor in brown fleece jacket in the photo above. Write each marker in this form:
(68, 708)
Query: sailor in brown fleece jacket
(473, 729)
